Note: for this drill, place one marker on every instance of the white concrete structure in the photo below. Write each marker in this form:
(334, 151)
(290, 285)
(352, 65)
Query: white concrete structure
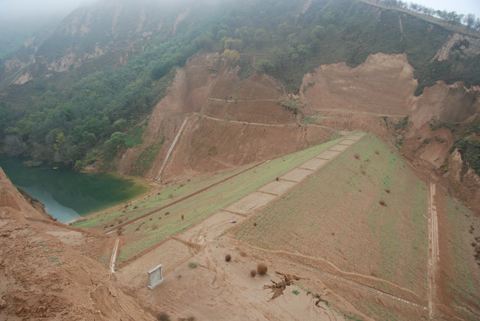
(155, 277)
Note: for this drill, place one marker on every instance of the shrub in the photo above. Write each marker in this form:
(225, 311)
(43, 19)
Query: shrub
(253, 273)
(383, 203)
(262, 269)
(163, 317)
(228, 258)
(192, 265)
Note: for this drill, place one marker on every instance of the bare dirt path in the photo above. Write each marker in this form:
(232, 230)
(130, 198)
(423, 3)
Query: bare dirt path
(433, 251)
(113, 258)
(171, 149)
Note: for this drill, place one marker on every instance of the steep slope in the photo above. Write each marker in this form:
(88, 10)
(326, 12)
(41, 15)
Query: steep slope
(212, 119)
(81, 96)
(44, 278)
(437, 131)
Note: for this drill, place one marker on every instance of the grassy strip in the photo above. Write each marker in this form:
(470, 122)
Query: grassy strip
(146, 233)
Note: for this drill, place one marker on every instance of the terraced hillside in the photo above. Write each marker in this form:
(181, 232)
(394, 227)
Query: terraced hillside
(149, 221)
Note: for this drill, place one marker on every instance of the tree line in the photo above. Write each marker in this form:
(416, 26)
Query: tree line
(469, 20)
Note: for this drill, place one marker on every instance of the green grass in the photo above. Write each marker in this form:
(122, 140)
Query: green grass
(336, 213)
(464, 284)
(134, 136)
(158, 199)
(156, 228)
(146, 158)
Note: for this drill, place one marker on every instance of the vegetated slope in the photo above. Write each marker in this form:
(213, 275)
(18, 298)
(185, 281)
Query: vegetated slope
(352, 213)
(103, 70)
(460, 263)
(44, 277)
(145, 223)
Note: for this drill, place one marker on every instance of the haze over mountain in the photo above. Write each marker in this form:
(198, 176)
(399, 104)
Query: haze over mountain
(314, 134)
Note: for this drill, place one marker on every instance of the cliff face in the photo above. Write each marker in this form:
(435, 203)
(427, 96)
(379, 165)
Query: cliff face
(378, 96)
(44, 278)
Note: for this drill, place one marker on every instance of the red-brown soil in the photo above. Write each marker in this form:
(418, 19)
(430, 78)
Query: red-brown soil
(378, 94)
(44, 278)
(225, 114)
(383, 85)
(209, 144)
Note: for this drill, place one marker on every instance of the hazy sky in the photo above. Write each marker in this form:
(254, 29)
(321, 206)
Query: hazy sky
(460, 6)
(31, 8)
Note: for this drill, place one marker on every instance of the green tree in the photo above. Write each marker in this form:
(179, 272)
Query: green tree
(115, 144)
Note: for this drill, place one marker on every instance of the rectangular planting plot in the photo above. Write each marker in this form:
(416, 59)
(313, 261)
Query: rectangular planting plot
(314, 164)
(347, 142)
(329, 155)
(339, 148)
(211, 228)
(277, 188)
(297, 175)
(250, 203)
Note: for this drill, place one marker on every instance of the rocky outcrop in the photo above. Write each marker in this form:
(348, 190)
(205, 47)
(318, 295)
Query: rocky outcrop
(462, 44)
(464, 179)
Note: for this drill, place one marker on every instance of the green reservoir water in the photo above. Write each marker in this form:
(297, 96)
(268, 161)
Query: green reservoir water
(68, 195)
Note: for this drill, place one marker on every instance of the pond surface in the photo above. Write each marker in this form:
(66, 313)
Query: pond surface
(66, 194)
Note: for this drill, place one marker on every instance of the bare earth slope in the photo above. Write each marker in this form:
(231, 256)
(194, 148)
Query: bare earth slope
(210, 113)
(383, 85)
(44, 279)
(378, 96)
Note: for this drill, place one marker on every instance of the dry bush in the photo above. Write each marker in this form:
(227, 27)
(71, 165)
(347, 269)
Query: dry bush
(357, 156)
(387, 191)
(253, 273)
(377, 152)
(383, 203)
(262, 269)
(163, 317)
(228, 258)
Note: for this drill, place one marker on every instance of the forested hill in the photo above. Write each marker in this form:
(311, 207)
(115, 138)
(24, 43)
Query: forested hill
(83, 93)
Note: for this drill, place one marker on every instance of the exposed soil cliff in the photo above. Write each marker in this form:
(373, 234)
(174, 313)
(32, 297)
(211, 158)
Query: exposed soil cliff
(378, 96)
(224, 114)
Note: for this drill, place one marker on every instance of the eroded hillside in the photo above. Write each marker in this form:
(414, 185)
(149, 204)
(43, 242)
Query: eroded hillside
(212, 119)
